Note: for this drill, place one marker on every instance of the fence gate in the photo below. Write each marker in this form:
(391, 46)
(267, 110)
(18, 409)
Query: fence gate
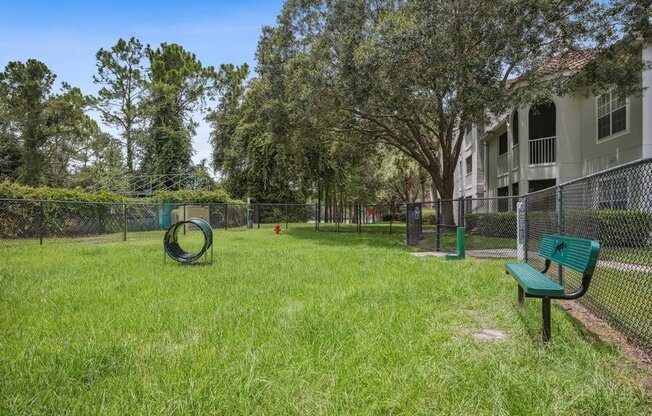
(413, 218)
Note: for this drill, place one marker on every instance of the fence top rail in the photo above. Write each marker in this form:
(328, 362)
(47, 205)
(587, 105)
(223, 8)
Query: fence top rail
(135, 203)
(593, 175)
(618, 168)
(489, 198)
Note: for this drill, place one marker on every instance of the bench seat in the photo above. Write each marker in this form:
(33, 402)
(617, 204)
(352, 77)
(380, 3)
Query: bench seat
(534, 282)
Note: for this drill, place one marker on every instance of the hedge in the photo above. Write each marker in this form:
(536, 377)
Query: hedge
(83, 213)
(614, 228)
(11, 190)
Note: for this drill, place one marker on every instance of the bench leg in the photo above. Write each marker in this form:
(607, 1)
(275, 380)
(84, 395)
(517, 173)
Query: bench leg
(545, 311)
(521, 296)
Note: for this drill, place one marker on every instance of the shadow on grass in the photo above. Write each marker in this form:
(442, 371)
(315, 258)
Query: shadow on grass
(589, 336)
(533, 327)
(347, 238)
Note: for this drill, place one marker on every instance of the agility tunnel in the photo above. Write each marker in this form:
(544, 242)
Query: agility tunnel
(176, 252)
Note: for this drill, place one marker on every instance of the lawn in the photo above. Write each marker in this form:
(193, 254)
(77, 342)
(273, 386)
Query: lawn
(298, 323)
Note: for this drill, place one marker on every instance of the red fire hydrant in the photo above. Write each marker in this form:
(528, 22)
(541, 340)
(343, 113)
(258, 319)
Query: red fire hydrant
(277, 228)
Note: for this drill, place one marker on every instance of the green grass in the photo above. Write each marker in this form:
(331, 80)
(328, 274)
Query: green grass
(298, 323)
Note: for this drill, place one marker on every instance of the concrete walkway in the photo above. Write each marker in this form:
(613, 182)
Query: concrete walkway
(510, 253)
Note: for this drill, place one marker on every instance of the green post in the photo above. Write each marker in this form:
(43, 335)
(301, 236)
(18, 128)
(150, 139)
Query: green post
(41, 231)
(460, 242)
(460, 246)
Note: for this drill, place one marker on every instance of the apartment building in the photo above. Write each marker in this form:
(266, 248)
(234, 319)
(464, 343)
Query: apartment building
(544, 144)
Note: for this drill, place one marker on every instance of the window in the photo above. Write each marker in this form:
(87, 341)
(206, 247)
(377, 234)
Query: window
(469, 126)
(612, 114)
(502, 144)
(469, 165)
(537, 185)
(515, 128)
(614, 193)
(503, 202)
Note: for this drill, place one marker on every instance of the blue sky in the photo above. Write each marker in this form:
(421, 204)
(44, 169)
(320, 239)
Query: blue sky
(67, 34)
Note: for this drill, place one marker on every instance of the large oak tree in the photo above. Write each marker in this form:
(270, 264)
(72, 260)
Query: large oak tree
(412, 74)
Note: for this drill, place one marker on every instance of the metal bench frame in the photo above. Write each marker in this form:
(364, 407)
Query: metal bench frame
(587, 274)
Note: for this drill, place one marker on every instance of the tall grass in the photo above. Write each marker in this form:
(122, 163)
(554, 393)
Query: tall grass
(297, 323)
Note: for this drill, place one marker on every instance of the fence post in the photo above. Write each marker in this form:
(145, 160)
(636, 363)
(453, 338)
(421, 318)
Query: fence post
(287, 220)
(391, 218)
(184, 218)
(258, 215)
(560, 227)
(337, 219)
(124, 222)
(317, 212)
(461, 210)
(438, 226)
(41, 231)
(226, 216)
(526, 230)
(359, 218)
(408, 237)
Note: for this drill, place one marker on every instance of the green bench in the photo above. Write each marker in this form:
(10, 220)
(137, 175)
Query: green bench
(578, 254)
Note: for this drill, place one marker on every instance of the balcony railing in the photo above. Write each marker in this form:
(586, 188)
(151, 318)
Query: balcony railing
(543, 150)
(503, 165)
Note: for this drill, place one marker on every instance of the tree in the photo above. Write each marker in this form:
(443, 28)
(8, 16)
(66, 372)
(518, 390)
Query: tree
(224, 119)
(69, 130)
(120, 74)
(10, 154)
(100, 163)
(178, 85)
(248, 149)
(410, 75)
(27, 89)
(405, 181)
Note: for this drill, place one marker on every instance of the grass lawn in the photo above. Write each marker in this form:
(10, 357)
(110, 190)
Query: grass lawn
(298, 323)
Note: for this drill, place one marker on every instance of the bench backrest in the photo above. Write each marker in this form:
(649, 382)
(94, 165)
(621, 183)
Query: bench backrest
(579, 254)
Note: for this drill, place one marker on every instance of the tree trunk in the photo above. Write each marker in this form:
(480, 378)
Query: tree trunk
(445, 191)
(130, 149)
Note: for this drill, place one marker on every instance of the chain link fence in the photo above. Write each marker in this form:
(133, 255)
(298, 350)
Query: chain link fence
(49, 222)
(614, 207)
(490, 226)
(361, 218)
(70, 221)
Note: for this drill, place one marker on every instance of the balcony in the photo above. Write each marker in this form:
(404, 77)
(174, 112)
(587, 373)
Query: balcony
(503, 164)
(543, 150)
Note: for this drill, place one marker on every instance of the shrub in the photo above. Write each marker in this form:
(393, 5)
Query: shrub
(84, 213)
(614, 228)
(11, 190)
(429, 216)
